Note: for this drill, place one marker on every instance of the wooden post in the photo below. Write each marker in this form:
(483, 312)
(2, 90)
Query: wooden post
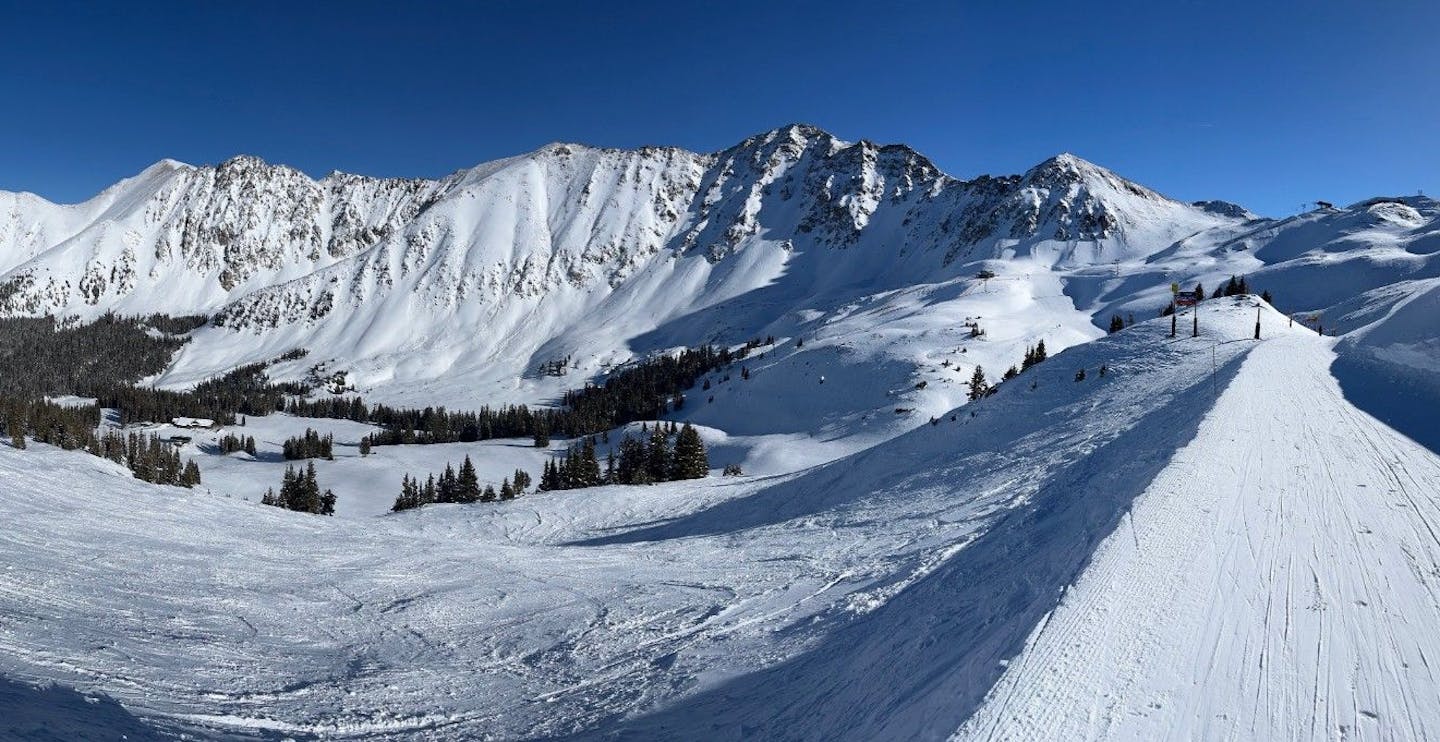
(1257, 323)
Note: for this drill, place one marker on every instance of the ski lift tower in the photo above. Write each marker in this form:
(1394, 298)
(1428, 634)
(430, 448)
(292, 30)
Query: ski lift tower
(985, 277)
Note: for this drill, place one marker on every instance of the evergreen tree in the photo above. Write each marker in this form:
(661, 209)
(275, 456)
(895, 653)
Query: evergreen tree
(1116, 323)
(365, 446)
(657, 456)
(468, 485)
(507, 492)
(489, 494)
(587, 467)
(978, 387)
(311, 501)
(1199, 292)
(1265, 295)
(631, 466)
(288, 489)
(448, 488)
(403, 500)
(17, 432)
(690, 460)
(191, 475)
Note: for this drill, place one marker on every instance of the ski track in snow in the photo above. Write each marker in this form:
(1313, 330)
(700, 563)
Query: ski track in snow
(1279, 581)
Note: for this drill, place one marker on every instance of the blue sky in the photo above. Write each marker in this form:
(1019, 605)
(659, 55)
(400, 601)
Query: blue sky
(1268, 106)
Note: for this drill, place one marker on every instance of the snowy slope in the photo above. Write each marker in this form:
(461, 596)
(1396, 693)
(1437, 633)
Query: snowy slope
(876, 596)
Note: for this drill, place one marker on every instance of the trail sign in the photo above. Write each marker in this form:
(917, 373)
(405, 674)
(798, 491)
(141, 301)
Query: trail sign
(1186, 299)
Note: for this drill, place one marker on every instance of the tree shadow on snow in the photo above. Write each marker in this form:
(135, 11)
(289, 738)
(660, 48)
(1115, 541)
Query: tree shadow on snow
(63, 715)
(55, 713)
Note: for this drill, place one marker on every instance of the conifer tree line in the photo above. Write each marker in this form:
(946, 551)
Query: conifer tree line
(74, 428)
(105, 358)
(310, 445)
(1233, 287)
(645, 460)
(643, 391)
(300, 491)
(458, 486)
(45, 356)
(62, 426)
(149, 458)
(230, 443)
(1118, 323)
(1034, 356)
(557, 367)
(243, 391)
(980, 387)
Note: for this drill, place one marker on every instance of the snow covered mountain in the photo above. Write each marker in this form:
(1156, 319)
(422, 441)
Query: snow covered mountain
(494, 269)
(456, 291)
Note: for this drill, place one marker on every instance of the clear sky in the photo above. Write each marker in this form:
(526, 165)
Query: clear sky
(1269, 104)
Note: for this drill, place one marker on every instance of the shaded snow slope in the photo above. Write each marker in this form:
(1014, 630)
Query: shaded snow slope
(1278, 580)
(1390, 367)
(57, 714)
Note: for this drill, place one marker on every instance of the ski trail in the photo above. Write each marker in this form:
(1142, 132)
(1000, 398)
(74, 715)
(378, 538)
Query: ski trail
(1281, 581)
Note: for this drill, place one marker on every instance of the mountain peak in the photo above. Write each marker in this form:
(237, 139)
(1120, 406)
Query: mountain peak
(797, 134)
(242, 162)
(1065, 167)
(166, 165)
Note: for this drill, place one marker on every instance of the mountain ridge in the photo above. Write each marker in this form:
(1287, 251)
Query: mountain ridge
(459, 287)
